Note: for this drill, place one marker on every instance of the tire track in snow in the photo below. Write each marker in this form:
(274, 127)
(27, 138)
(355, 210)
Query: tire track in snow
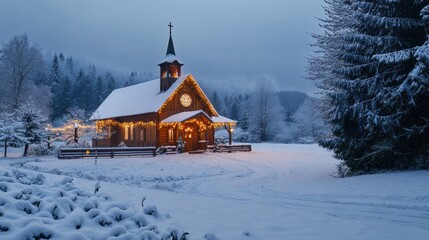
(253, 182)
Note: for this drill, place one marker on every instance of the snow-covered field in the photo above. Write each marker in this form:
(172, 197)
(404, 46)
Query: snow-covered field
(277, 191)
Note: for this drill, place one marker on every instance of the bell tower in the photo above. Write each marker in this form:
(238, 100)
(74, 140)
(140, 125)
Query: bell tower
(170, 66)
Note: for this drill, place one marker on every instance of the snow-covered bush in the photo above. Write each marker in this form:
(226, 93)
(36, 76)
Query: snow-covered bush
(39, 150)
(342, 170)
(240, 136)
(282, 138)
(30, 209)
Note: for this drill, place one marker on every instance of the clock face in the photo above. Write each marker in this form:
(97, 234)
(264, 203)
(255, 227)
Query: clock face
(185, 100)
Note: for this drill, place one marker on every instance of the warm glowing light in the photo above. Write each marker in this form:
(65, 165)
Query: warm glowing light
(104, 123)
(68, 127)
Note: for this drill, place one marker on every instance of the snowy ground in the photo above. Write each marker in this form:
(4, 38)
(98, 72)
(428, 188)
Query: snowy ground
(275, 192)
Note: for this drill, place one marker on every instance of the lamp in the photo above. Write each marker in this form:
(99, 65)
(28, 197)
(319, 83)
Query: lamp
(75, 131)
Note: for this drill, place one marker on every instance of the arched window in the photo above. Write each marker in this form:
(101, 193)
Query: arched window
(127, 133)
(131, 132)
(174, 72)
(141, 134)
(170, 135)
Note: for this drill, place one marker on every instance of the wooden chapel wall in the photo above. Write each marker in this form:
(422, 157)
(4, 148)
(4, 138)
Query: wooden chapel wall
(150, 139)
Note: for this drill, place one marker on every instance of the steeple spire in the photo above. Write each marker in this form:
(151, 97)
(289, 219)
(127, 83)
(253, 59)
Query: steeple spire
(170, 48)
(170, 66)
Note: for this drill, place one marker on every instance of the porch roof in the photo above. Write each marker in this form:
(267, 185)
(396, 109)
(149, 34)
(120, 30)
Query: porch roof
(183, 116)
(222, 119)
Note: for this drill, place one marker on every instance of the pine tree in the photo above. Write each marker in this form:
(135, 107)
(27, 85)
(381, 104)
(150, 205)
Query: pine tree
(217, 102)
(79, 89)
(99, 91)
(368, 52)
(88, 91)
(111, 84)
(234, 111)
(61, 57)
(54, 75)
(132, 78)
(70, 65)
(244, 119)
(33, 122)
(62, 99)
(56, 83)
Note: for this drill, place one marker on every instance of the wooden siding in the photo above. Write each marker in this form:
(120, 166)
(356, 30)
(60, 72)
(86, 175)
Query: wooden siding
(118, 134)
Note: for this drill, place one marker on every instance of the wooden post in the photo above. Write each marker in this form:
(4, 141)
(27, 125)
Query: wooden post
(229, 129)
(5, 148)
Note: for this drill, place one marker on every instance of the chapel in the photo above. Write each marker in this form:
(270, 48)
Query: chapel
(159, 112)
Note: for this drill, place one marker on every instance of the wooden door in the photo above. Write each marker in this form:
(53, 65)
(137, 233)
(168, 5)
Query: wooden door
(190, 138)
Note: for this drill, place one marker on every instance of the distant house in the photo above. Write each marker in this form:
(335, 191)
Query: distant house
(158, 112)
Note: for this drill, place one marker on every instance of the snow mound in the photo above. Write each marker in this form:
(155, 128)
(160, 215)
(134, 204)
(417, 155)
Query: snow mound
(30, 209)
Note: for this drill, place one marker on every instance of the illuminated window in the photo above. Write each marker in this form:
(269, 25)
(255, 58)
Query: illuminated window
(174, 72)
(203, 135)
(131, 132)
(127, 133)
(141, 134)
(170, 135)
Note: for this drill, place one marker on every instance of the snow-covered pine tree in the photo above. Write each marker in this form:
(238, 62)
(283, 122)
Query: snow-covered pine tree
(88, 91)
(54, 74)
(364, 65)
(79, 89)
(58, 85)
(111, 84)
(133, 78)
(99, 91)
(33, 124)
(70, 66)
(11, 130)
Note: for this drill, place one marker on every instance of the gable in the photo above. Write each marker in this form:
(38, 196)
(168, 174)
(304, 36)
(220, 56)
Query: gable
(199, 100)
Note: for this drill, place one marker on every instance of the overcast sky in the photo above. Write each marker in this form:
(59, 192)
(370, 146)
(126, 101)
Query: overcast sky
(219, 41)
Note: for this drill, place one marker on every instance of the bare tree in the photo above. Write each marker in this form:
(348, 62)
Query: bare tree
(19, 61)
(308, 120)
(266, 112)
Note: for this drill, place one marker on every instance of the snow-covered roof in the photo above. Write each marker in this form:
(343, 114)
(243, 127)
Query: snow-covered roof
(137, 99)
(222, 119)
(170, 58)
(183, 116)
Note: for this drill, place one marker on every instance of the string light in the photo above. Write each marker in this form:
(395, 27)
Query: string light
(68, 127)
(103, 123)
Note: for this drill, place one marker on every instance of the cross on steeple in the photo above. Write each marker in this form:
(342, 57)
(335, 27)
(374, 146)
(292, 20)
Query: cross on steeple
(170, 27)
